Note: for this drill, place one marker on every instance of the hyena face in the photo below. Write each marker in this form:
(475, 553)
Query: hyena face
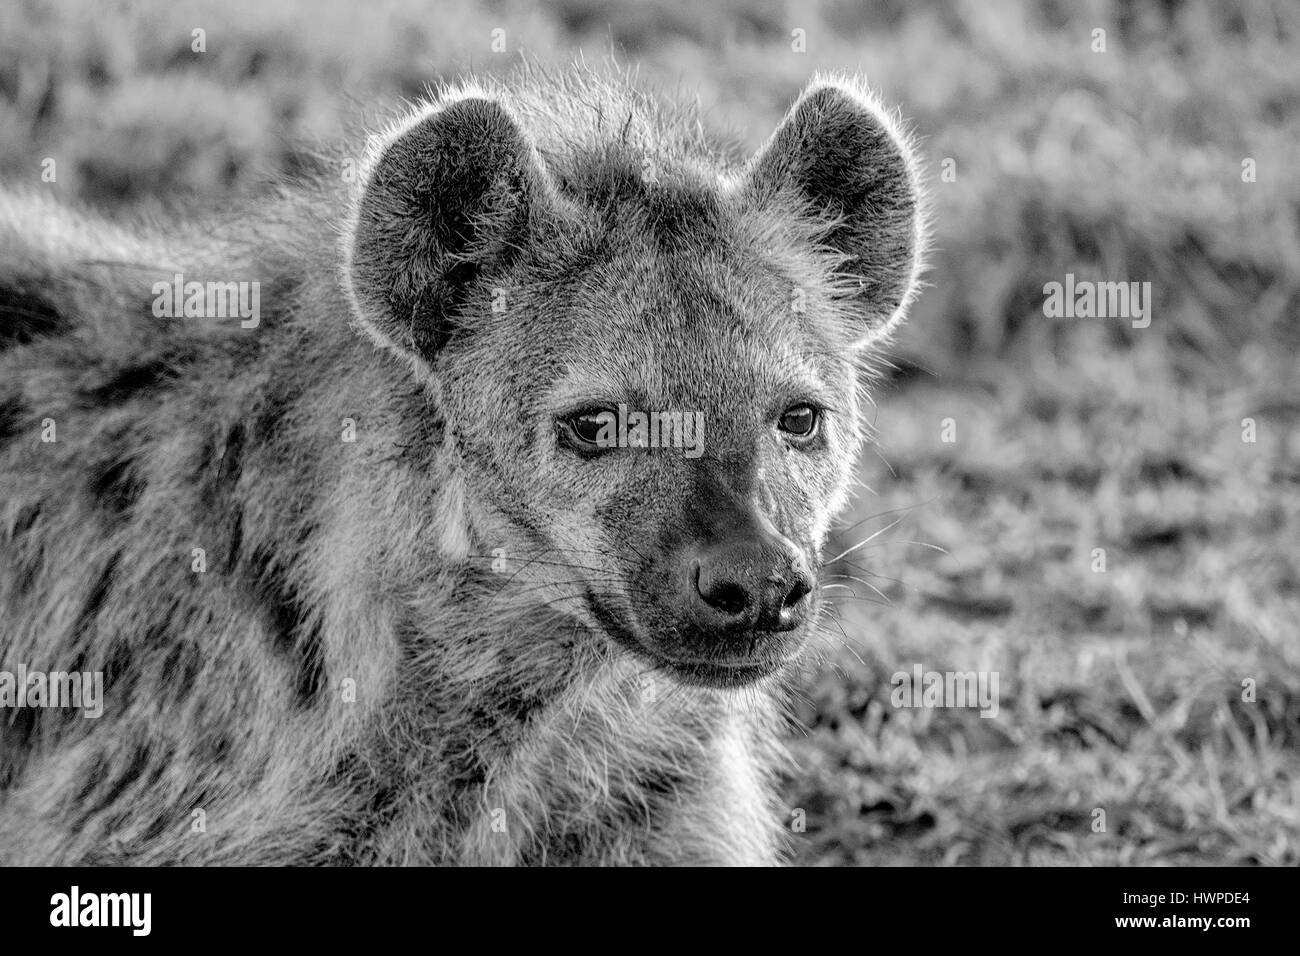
(676, 357)
(700, 553)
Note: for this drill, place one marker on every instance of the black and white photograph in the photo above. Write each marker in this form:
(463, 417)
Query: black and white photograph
(650, 433)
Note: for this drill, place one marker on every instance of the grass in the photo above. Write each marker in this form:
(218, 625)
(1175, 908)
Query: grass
(1121, 690)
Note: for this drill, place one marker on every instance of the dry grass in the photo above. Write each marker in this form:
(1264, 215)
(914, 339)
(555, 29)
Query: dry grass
(1121, 690)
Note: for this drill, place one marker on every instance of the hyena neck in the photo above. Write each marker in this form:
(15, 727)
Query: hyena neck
(555, 741)
(550, 750)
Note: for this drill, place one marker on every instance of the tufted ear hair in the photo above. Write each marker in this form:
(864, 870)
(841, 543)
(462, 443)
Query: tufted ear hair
(847, 163)
(447, 197)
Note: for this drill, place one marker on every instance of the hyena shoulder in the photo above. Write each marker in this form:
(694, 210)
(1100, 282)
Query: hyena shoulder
(348, 608)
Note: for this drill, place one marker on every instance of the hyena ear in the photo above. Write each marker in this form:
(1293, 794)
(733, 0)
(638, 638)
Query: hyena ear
(447, 198)
(845, 160)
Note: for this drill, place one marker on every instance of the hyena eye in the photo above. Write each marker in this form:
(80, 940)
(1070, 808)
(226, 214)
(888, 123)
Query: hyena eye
(799, 421)
(589, 431)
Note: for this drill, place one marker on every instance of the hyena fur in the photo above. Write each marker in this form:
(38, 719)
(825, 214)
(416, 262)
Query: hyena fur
(452, 639)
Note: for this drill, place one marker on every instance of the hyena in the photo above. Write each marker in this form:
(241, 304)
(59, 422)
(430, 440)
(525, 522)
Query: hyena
(362, 584)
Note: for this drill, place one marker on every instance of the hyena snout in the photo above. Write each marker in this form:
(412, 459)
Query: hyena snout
(747, 583)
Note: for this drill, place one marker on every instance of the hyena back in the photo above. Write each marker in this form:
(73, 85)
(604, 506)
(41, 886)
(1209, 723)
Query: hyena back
(363, 583)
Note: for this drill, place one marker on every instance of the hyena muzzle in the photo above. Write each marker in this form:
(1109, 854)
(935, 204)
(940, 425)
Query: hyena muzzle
(492, 537)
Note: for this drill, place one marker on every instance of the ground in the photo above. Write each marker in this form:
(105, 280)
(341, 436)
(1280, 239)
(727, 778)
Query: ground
(1108, 517)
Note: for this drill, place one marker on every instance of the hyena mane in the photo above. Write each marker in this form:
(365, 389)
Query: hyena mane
(331, 597)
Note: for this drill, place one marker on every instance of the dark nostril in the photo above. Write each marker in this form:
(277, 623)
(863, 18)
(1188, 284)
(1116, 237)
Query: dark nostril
(726, 596)
(798, 591)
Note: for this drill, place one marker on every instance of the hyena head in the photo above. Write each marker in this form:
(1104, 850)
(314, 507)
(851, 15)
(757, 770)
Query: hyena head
(552, 284)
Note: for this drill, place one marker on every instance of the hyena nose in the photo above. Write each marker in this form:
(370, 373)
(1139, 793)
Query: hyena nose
(748, 584)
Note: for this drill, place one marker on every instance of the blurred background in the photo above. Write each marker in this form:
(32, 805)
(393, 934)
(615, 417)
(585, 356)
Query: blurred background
(1159, 684)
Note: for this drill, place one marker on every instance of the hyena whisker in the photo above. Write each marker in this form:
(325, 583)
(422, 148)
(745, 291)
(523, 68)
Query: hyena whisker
(514, 593)
(867, 540)
(798, 695)
(903, 510)
(557, 564)
(860, 485)
(580, 598)
(876, 574)
(876, 450)
(863, 569)
(631, 543)
(862, 599)
(909, 541)
(828, 663)
(832, 599)
(854, 578)
(536, 560)
(844, 640)
(884, 598)
(526, 565)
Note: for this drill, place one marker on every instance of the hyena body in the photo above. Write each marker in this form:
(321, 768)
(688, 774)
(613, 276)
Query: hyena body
(360, 589)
